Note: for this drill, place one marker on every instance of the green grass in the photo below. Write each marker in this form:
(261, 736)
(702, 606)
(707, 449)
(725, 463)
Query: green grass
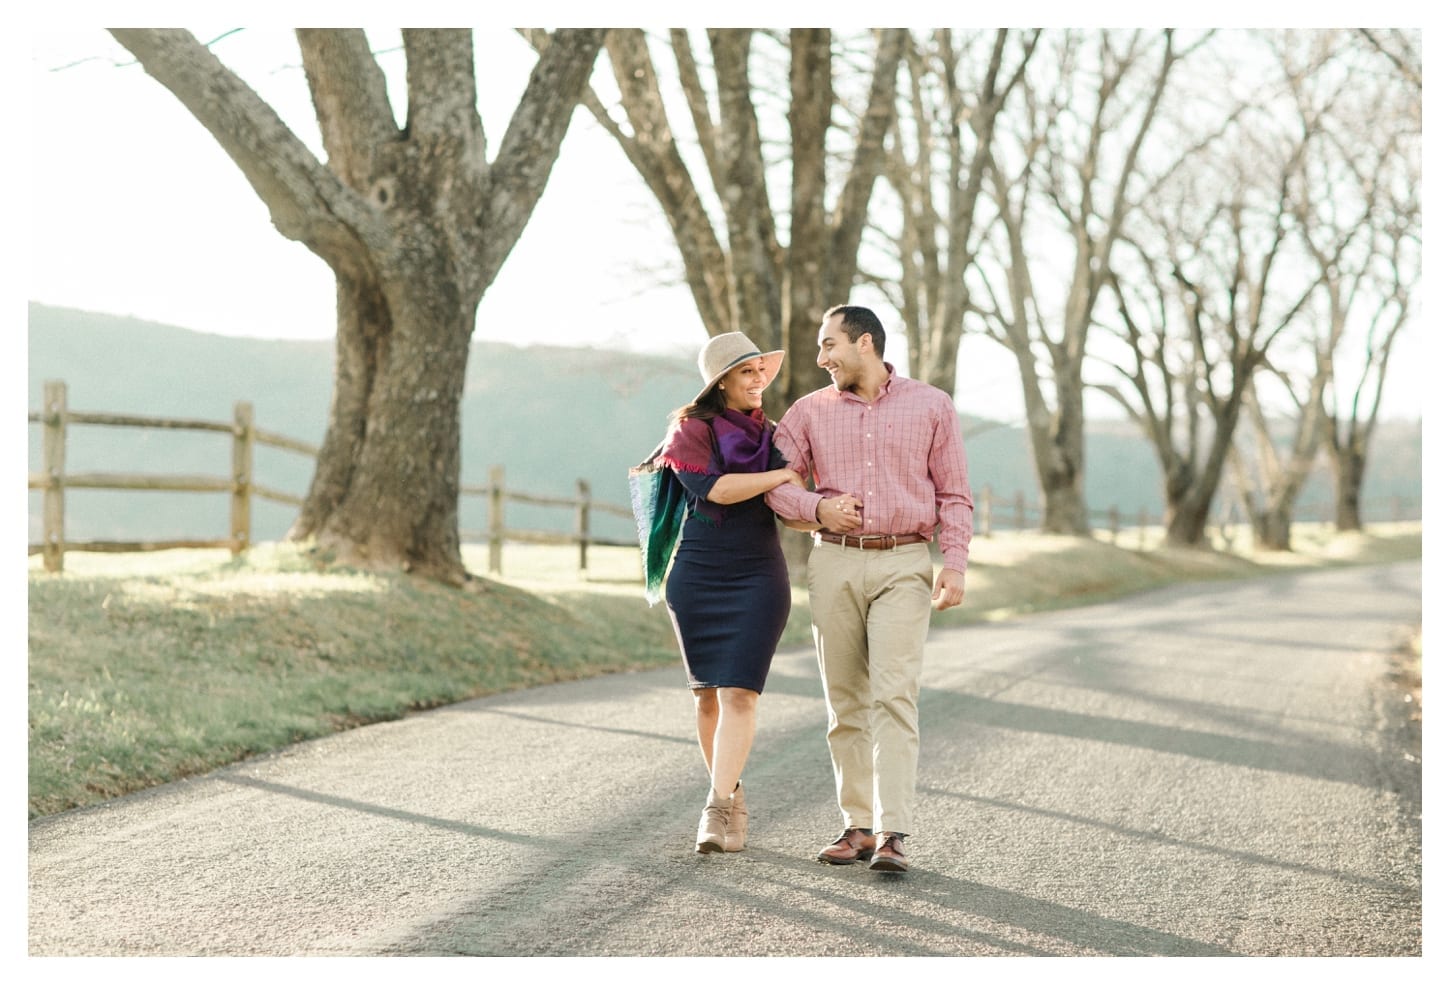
(148, 668)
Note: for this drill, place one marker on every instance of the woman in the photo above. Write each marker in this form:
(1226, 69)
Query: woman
(728, 592)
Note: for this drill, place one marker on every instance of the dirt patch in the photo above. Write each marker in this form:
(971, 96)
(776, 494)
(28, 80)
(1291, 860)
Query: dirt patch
(1404, 675)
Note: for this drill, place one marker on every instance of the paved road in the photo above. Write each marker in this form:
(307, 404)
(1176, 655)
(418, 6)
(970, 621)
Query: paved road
(1206, 770)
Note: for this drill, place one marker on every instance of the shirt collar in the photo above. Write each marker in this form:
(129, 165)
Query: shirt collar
(885, 387)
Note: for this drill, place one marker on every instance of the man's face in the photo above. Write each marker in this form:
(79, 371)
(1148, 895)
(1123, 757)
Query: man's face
(838, 355)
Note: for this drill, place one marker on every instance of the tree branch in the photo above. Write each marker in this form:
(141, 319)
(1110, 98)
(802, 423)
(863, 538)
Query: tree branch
(350, 96)
(850, 213)
(531, 143)
(307, 201)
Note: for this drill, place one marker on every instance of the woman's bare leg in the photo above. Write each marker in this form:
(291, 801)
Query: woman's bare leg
(707, 719)
(734, 733)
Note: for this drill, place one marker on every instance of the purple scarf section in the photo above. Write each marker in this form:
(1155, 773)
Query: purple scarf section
(743, 441)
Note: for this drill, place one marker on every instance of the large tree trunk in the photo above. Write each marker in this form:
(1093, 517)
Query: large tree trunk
(386, 489)
(1348, 488)
(1273, 528)
(1287, 475)
(415, 224)
(1186, 522)
(1064, 500)
(811, 101)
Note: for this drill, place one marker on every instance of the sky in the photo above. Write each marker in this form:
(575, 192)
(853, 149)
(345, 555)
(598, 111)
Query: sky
(141, 213)
(136, 211)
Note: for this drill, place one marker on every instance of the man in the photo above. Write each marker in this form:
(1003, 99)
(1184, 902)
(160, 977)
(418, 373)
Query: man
(889, 467)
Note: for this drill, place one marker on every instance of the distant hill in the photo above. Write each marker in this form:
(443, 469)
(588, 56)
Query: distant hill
(549, 415)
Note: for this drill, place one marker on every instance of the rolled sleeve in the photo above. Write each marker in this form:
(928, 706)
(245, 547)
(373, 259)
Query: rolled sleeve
(789, 501)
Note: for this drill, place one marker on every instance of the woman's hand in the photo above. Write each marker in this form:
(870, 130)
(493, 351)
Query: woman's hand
(793, 477)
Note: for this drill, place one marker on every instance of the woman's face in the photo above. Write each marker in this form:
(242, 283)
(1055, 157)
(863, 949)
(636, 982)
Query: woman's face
(744, 384)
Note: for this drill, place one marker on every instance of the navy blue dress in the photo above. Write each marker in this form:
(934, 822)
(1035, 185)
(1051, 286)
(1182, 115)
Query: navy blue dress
(728, 592)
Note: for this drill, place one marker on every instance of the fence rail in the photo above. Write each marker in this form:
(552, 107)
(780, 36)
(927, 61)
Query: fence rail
(55, 417)
(993, 511)
(991, 508)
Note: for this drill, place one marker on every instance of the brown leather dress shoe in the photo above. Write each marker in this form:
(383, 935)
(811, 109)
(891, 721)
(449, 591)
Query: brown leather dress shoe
(853, 845)
(890, 855)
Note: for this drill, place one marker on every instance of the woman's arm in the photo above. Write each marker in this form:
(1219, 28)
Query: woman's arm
(736, 487)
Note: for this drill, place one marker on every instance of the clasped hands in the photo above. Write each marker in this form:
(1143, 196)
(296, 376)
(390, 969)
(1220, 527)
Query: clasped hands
(840, 514)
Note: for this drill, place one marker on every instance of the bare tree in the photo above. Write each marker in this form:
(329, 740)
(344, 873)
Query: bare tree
(1339, 190)
(1270, 487)
(937, 165)
(1357, 215)
(1353, 404)
(1383, 146)
(1404, 51)
(1225, 276)
(748, 268)
(415, 222)
(1063, 187)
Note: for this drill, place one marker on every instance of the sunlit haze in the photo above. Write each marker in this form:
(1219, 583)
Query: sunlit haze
(137, 211)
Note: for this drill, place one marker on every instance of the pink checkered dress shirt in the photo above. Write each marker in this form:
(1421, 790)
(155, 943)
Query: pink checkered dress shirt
(901, 455)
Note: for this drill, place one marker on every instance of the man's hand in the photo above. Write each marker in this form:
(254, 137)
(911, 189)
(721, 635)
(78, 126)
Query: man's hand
(840, 515)
(951, 587)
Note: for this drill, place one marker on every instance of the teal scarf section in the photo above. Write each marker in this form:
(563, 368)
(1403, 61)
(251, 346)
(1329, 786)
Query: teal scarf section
(658, 501)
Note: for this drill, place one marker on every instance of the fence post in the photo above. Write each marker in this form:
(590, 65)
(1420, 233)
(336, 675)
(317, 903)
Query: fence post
(1113, 525)
(986, 505)
(495, 519)
(243, 443)
(581, 526)
(53, 453)
(1019, 505)
(1142, 530)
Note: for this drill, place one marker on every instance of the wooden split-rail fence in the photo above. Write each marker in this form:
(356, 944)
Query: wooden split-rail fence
(55, 417)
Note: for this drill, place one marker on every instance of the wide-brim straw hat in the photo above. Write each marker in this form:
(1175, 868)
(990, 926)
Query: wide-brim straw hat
(724, 352)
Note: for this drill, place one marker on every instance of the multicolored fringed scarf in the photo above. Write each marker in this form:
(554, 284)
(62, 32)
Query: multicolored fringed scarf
(658, 501)
(730, 442)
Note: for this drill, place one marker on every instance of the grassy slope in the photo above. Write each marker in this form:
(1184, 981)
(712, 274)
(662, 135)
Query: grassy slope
(149, 668)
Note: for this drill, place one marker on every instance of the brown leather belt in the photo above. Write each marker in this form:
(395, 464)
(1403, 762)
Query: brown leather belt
(871, 542)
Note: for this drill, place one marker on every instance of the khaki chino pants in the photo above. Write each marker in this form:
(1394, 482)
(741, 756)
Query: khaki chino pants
(869, 614)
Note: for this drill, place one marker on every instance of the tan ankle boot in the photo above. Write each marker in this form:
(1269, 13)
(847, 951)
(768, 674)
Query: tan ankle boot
(738, 821)
(711, 835)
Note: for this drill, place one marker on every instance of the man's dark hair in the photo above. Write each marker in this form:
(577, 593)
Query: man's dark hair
(856, 320)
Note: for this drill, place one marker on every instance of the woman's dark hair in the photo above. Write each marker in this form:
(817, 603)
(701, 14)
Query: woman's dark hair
(712, 404)
(856, 320)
